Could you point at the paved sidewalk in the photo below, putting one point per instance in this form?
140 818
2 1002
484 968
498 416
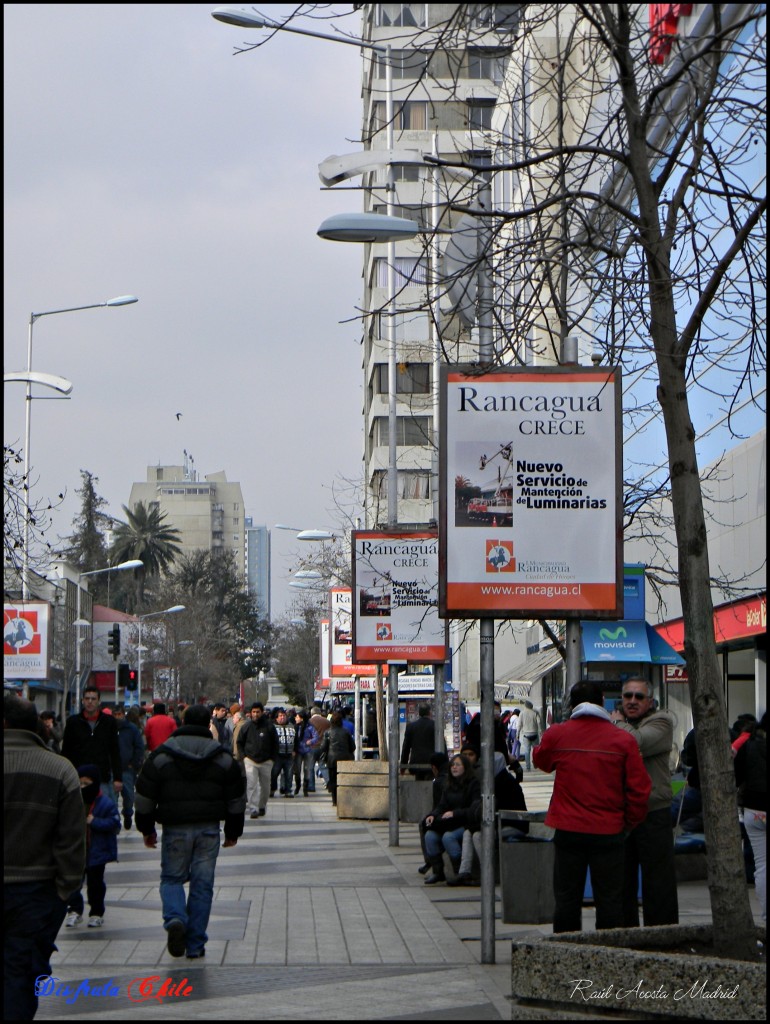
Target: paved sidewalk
313 919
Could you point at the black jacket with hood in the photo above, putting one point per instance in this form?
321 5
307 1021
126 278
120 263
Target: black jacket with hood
191 780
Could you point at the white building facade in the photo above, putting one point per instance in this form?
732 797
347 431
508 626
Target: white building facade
208 512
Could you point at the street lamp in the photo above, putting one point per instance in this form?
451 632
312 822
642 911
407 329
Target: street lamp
246 19
140 619
306 534
48 380
120 300
360 227
133 563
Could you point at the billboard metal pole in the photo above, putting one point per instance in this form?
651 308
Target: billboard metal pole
393 753
569 357
486 625
487 665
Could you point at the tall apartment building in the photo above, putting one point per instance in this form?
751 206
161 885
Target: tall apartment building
258 566
208 513
444 96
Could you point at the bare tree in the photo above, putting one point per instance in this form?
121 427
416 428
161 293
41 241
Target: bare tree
16 513
627 170
637 219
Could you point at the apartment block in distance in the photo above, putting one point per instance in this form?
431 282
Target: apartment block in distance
209 512
258 566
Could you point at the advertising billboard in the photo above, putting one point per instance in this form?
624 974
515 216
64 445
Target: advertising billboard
324 655
26 630
530 499
395 590
341 636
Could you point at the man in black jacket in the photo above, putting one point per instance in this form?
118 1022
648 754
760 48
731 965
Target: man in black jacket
91 737
419 743
189 784
257 744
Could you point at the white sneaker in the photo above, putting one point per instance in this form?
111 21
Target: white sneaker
73 919
95 921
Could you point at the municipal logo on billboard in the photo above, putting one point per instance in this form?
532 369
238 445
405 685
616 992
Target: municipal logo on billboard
26 634
384 632
500 556
20 632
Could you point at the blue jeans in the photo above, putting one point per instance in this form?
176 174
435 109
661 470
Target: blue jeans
452 842
282 769
127 793
189 854
306 762
32 916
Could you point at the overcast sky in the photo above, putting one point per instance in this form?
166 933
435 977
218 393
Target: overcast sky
143 157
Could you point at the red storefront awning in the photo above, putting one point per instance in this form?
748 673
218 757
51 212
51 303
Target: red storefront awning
735 621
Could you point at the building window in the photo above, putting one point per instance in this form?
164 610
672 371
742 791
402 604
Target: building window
411 484
411 115
401 15
236 537
480 114
486 64
412 325
404 63
406 172
496 17
411 379
410 270
410 430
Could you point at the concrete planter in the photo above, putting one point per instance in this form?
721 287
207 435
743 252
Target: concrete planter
362 792
630 973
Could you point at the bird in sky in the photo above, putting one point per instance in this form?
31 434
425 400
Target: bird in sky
179 415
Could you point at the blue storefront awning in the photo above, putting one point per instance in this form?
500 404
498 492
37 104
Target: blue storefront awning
626 640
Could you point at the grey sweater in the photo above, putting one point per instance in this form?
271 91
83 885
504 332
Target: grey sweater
45 817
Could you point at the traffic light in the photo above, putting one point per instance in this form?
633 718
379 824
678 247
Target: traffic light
113 642
128 677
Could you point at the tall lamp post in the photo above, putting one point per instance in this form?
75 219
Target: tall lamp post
366 227
133 563
141 618
120 300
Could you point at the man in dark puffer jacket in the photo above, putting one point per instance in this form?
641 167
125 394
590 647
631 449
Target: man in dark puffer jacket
189 784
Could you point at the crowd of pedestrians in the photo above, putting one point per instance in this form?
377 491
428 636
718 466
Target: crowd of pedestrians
70 791
197 769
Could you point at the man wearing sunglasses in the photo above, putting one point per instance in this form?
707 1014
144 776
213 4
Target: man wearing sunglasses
600 795
651 844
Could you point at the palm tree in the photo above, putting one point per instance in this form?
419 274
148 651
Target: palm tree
146 537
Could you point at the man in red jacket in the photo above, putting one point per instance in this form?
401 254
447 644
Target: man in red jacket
159 727
600 793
